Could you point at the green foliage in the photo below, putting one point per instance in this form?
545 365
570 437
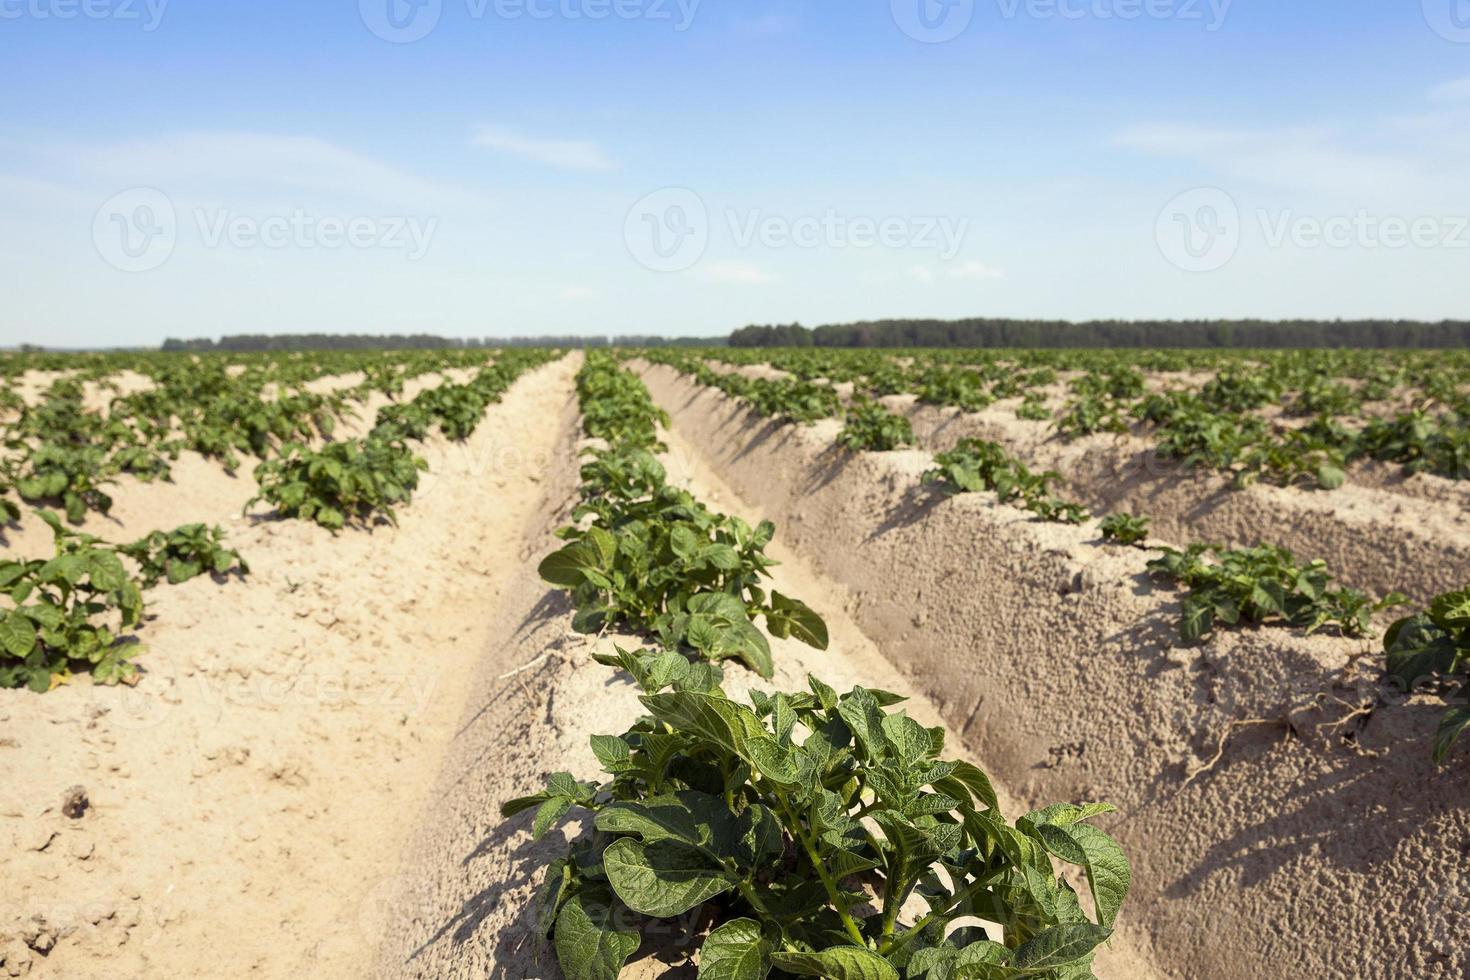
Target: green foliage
872 428
789 816
59 614
953 387
1033 409
72 476
1090 414
1124 529
182 554
1434 647
1423 444
648 558
1260 585
975 465
350 482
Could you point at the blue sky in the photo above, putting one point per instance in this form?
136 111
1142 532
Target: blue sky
497 167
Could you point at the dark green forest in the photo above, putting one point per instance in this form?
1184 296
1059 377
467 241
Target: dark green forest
1113 333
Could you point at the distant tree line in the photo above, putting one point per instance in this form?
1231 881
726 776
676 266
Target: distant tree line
1113 333
241 343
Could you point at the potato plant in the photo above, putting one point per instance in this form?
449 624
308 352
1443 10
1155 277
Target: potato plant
975 465
1260 585
799 826
1434 646
648 558
872 428
1124 529
350 482
60 612
182 554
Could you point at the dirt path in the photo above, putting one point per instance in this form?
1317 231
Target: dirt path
249 799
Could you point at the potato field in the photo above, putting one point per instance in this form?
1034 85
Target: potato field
735 663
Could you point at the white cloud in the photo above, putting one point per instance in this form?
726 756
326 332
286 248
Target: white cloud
572 294
769 24
1319 161
562 154
1454 92
222 163
735 273
974 269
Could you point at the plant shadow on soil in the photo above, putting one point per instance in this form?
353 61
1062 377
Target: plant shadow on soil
914 507
1338 811
1352 818
667 946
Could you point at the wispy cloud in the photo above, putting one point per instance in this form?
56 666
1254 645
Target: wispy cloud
1315 160
734 273
1454 93
573 294
220 163
562 154
972 270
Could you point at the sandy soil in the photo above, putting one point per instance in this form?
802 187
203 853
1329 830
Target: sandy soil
248 800
467 886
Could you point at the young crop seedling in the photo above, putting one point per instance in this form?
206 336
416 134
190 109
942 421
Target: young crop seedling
1033 409
59 610
1434 646
976 465
872 428
1124 529
1259 585
350 482
182 554
802 824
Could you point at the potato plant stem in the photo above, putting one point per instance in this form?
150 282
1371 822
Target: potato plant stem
848 922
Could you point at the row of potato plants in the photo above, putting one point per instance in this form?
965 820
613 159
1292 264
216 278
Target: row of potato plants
60 453
1353 401
360 481
62 613
800 833
1222 587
